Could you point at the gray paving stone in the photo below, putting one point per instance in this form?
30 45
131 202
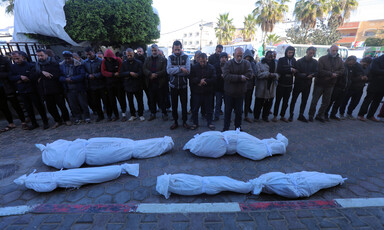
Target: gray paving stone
261 220
114 188
148 226
85 218
140 194
278 224
104 199
95 191
133 221
274 215
11 196
115 226
132 185
81 226
212 217
180 225
48 226
149 218
247 225
76 195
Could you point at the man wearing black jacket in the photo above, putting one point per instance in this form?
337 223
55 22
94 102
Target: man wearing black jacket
47 73
355 91
22 76
343 83
8 93
214 59
203 79
219 86
375 90
96 83
286 70
306 70
132 74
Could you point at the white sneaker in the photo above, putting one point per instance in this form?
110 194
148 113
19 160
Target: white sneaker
132 118
142 118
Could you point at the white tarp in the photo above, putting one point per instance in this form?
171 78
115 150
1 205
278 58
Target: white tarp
216 144
74 178
101 150
292 185
44 17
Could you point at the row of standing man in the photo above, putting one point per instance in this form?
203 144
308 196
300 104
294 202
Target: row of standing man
99 83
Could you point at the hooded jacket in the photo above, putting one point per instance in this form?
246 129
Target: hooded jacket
178 79
5 68
160 69
197 73
233 84
265 86
132 84
48 86
376 84
251 81
76 73
284 68
327 66
108 68
94 67
305 68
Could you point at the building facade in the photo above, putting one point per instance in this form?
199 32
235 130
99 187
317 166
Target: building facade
354 34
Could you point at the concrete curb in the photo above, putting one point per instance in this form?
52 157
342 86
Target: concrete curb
192 207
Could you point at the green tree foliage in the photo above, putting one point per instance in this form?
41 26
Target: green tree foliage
374 42
112 22
224 29
249 27
296 35
340 10
9 6
307 12
268 13
325 34
273 39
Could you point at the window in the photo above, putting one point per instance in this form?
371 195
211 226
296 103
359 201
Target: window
185 35
370 33
190 34
196 42
185 43
197 34
190 42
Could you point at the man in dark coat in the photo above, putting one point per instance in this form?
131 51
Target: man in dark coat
236 73
132 74
155 73
203 79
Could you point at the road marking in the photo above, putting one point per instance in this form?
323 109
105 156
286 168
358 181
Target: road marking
360 202
193 207
15 210
188 208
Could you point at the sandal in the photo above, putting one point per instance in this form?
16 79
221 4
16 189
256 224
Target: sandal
211 127
193 127
7 128
24 126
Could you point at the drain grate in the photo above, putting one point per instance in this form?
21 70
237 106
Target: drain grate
7 170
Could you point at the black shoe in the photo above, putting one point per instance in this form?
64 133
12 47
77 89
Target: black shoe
302 118
46 126
152 117
265 119
319 119
334 117
99 119
165 117
310 119
186 126
290 119
33 126
174 126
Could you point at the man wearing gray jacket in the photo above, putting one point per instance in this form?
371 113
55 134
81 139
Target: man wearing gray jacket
236 73
178 69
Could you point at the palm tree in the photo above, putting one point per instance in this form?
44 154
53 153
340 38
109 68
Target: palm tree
9 6
225 29
268 13
341 9
249 27
273 39
308 11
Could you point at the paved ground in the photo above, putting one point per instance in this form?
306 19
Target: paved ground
351 148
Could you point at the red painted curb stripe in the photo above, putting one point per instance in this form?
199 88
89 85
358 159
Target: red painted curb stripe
80 208
288 205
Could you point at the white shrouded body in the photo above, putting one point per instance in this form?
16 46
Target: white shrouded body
101 150
216 144
74 178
